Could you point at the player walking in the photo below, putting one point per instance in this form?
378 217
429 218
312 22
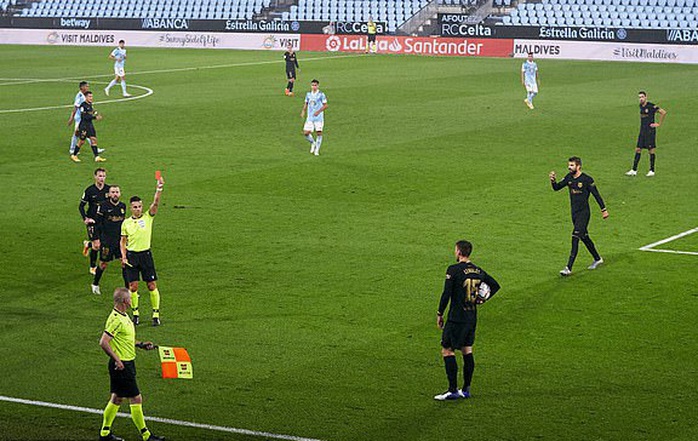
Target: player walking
529 79
93 196
315 104
86 129
75 114
110 216
581 186
119 57
461 288
136 258
648 132
291 66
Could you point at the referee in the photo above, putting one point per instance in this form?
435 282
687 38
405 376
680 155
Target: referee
119 342
371 45
136 258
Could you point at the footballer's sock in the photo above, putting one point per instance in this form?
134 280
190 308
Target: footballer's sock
451 372
468 369
155 302
94 149
134 302
109 415
123 86
533 95
112 83
290 86
636 161
98 275
93 258
76 151
573 251
73 143
309 137
318 143
528 96
653 156
139 420
89 141
591 247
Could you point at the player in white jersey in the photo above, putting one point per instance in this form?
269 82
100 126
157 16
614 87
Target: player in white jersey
315 104
119 57
75 115
529 79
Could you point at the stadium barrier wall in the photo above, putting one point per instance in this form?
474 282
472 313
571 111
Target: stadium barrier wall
205 40
463 47
590 50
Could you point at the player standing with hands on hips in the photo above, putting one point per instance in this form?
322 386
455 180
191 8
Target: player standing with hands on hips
119 57
136 257
647 139
581 186
315 104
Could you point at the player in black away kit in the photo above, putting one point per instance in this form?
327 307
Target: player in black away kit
291 66
648 132
110 216
581 186
86 129
93 196
463 283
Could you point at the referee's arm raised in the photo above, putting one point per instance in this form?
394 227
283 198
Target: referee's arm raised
153 210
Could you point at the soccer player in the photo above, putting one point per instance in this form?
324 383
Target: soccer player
110 216
136 258
86 129
371 45
291 66
119 57
648 132
93 196
119 342
581 186
461 289
75 114
315 104
529 79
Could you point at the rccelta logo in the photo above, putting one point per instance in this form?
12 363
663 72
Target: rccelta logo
52 38
333 43
685 35
164 23
269 42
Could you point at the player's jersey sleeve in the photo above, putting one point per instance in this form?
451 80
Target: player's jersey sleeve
113 324
493 284
307 98
78 100
523 67
115 53
124 231
323 99
448 289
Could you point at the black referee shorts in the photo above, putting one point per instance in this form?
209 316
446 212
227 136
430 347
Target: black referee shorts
123 382
141 267
371 38
458 335
647 139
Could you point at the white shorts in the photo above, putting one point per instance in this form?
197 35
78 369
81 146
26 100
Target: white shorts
313 126
77 124
532 87
119 71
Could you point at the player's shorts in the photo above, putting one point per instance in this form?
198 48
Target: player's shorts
141 267
77 125
119 71
313 126
371 38
291 74
458 335
532 87
123 382
580 220
91 234
647 139
109 250
86 131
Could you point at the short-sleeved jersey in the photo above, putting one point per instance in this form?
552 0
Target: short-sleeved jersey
460 289
87 114
93 196
580 189
119 57
79 99
291 60
138 232
315 102
109 218
529 69
120 327
372 29
647 113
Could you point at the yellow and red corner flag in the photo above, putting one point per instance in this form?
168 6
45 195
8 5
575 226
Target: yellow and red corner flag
175 363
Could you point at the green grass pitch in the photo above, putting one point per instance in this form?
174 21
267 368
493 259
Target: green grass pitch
305 288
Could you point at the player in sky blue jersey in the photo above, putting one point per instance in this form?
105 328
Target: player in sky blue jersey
119 57
315 104
529 79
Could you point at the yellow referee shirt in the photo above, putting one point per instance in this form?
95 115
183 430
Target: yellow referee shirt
138 232
120 327
372 28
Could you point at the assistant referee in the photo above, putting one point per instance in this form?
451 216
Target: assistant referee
119 342
136 258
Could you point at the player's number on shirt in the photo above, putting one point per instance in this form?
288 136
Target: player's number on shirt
471 287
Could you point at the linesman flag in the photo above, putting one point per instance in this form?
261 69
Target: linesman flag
175 363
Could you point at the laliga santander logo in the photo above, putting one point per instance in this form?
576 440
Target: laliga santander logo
333 43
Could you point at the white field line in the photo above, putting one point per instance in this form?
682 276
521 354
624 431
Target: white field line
651 247
161 420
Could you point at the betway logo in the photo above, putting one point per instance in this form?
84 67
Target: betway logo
408 45
685 35
75 23
164 23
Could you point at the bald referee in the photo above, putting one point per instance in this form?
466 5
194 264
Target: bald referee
119 342
136 258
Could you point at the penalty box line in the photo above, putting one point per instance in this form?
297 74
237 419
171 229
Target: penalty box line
651 247
160 420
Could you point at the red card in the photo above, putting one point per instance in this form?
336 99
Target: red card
158 175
